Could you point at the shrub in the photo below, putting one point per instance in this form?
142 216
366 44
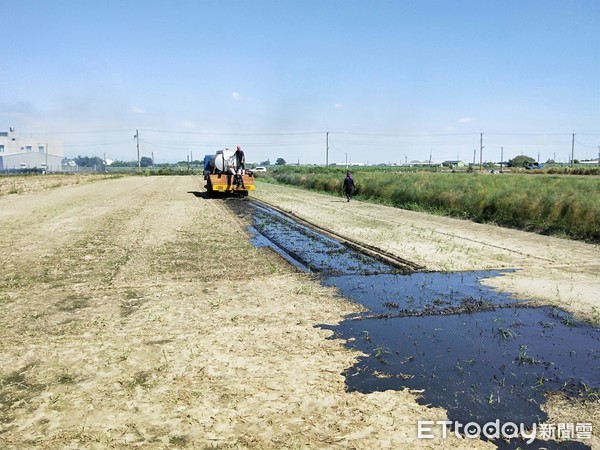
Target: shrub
548 203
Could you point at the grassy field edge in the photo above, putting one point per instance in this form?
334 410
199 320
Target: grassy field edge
564 206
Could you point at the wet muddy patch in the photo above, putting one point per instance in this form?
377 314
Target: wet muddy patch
480 354
304 247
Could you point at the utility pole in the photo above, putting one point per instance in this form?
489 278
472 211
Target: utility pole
104 160
46 157
326 148
599 156
137 140
501 159
346 160
573 150
474 155
480 152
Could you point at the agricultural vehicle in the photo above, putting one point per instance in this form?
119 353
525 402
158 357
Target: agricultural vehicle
223 174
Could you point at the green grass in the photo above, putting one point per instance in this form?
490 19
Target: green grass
548 204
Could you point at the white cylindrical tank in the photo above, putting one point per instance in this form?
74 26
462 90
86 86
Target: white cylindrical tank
224 161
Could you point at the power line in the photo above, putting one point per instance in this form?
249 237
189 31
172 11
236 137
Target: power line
79 132
172 143
95 144
585 145
527 134
299 133
356 133
214 133
313 141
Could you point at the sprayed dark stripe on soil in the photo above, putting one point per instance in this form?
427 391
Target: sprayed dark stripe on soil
478 353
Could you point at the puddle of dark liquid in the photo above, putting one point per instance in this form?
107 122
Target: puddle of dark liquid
479 366
419 293
469 349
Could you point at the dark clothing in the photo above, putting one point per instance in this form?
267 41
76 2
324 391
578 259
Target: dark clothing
348 187
240 159
240 166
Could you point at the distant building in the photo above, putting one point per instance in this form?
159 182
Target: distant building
591 161
426 163
19 152
348 164
455 163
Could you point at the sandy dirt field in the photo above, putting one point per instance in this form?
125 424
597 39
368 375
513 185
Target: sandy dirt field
31 183
134 312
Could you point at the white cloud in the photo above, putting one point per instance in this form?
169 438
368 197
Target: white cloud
337 105
138 110
465 120
237 97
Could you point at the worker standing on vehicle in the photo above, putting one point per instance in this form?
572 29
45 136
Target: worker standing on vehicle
240 159
240 166
349 186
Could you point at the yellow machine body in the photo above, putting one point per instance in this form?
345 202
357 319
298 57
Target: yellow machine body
226 183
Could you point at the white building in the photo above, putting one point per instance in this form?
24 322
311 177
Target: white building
591 162
19 152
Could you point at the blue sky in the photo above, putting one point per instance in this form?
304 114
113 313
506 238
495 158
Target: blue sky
390 80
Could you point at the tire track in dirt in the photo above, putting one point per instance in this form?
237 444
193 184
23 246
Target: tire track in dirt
364 247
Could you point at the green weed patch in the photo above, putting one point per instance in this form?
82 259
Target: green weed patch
548 204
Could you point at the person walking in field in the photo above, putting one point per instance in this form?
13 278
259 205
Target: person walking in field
349 186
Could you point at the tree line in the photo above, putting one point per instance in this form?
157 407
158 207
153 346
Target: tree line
145 161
